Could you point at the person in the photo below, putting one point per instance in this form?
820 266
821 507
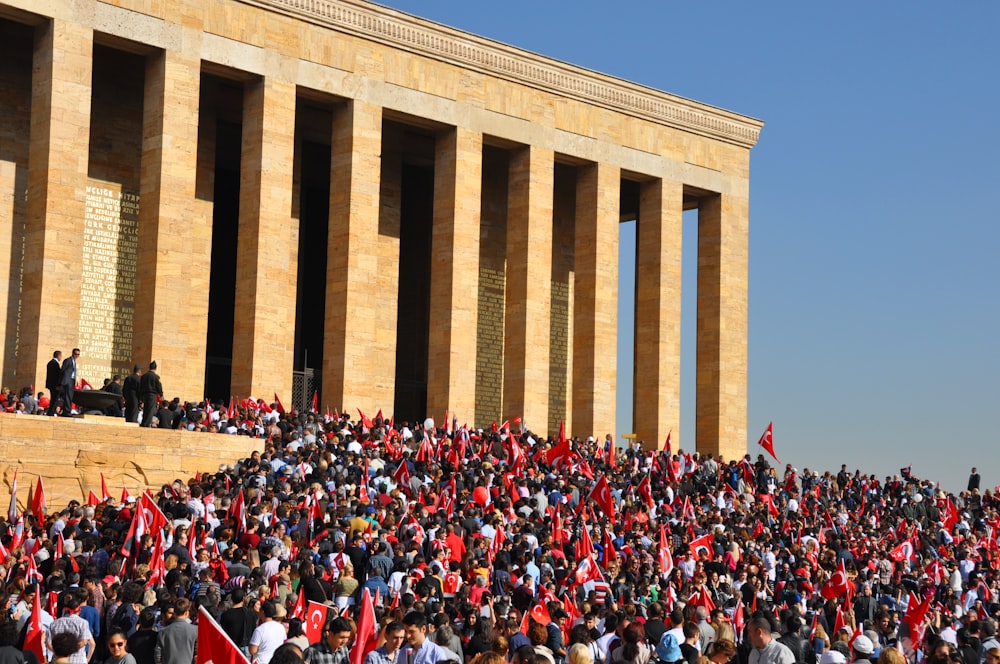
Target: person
64 646
130 391
766 649
53 381
394 634
419 649
268 636
239 621
333 647
863 649
973 480
151 391
579 653
67 383
115 387
72 623
9 654
176 643
142 643
721 652
116 646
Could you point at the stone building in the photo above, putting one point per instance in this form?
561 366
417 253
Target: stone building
421 219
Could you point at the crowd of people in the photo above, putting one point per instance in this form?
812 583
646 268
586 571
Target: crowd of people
379 542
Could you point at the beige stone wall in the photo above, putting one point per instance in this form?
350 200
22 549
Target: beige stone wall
71 454
376 65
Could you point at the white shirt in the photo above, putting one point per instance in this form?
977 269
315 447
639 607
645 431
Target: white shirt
267 637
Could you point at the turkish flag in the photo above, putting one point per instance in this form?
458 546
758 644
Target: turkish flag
38 501
601 494
35 638
93 500
666 443
559 453
586 545
705 544
299 610
155 518
214 645
643 490
314 621
767 440
367 633
837 584
540 613
588 571
663 554
702 598
903 551
280 409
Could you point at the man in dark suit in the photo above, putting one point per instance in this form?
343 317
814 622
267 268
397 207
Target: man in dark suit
53 378
114 387
152 391
130 390
68 382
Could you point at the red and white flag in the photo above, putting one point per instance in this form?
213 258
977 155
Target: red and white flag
314 621
837 584
34 640
105 494
214 645
704 544
365 640
601 495
663 553
767 441
38 506
156 520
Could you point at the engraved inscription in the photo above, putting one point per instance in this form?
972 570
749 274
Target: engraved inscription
489 344
107 294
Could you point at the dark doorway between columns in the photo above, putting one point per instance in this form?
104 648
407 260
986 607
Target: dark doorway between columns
313 124
219 152
413 323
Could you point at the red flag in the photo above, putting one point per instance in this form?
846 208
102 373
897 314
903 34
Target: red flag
837 584
34 639
838 622
280 409
739 621
704 544
601 495
38 500
137 528
609 549
586 545
666 443
367 633
314 621
525 622
402 475
155 518
643 490
105 494
157 565
950 513
366 421
214 645
315 402
299 611
663 553
93 500
767 440
702 598
540 613
560 453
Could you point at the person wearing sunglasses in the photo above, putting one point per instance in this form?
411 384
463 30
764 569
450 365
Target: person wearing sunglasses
116 640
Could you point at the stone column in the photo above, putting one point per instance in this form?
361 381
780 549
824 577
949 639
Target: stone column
529 286
657 363
595 303
352 312
266 262
721 399
175 229
58 158
451 352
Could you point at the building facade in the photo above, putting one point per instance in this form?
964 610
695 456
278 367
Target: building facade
420 219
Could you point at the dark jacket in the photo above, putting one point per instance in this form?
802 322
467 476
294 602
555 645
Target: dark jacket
53 374
799 647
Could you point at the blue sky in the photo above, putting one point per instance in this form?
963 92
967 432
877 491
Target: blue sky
874 282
